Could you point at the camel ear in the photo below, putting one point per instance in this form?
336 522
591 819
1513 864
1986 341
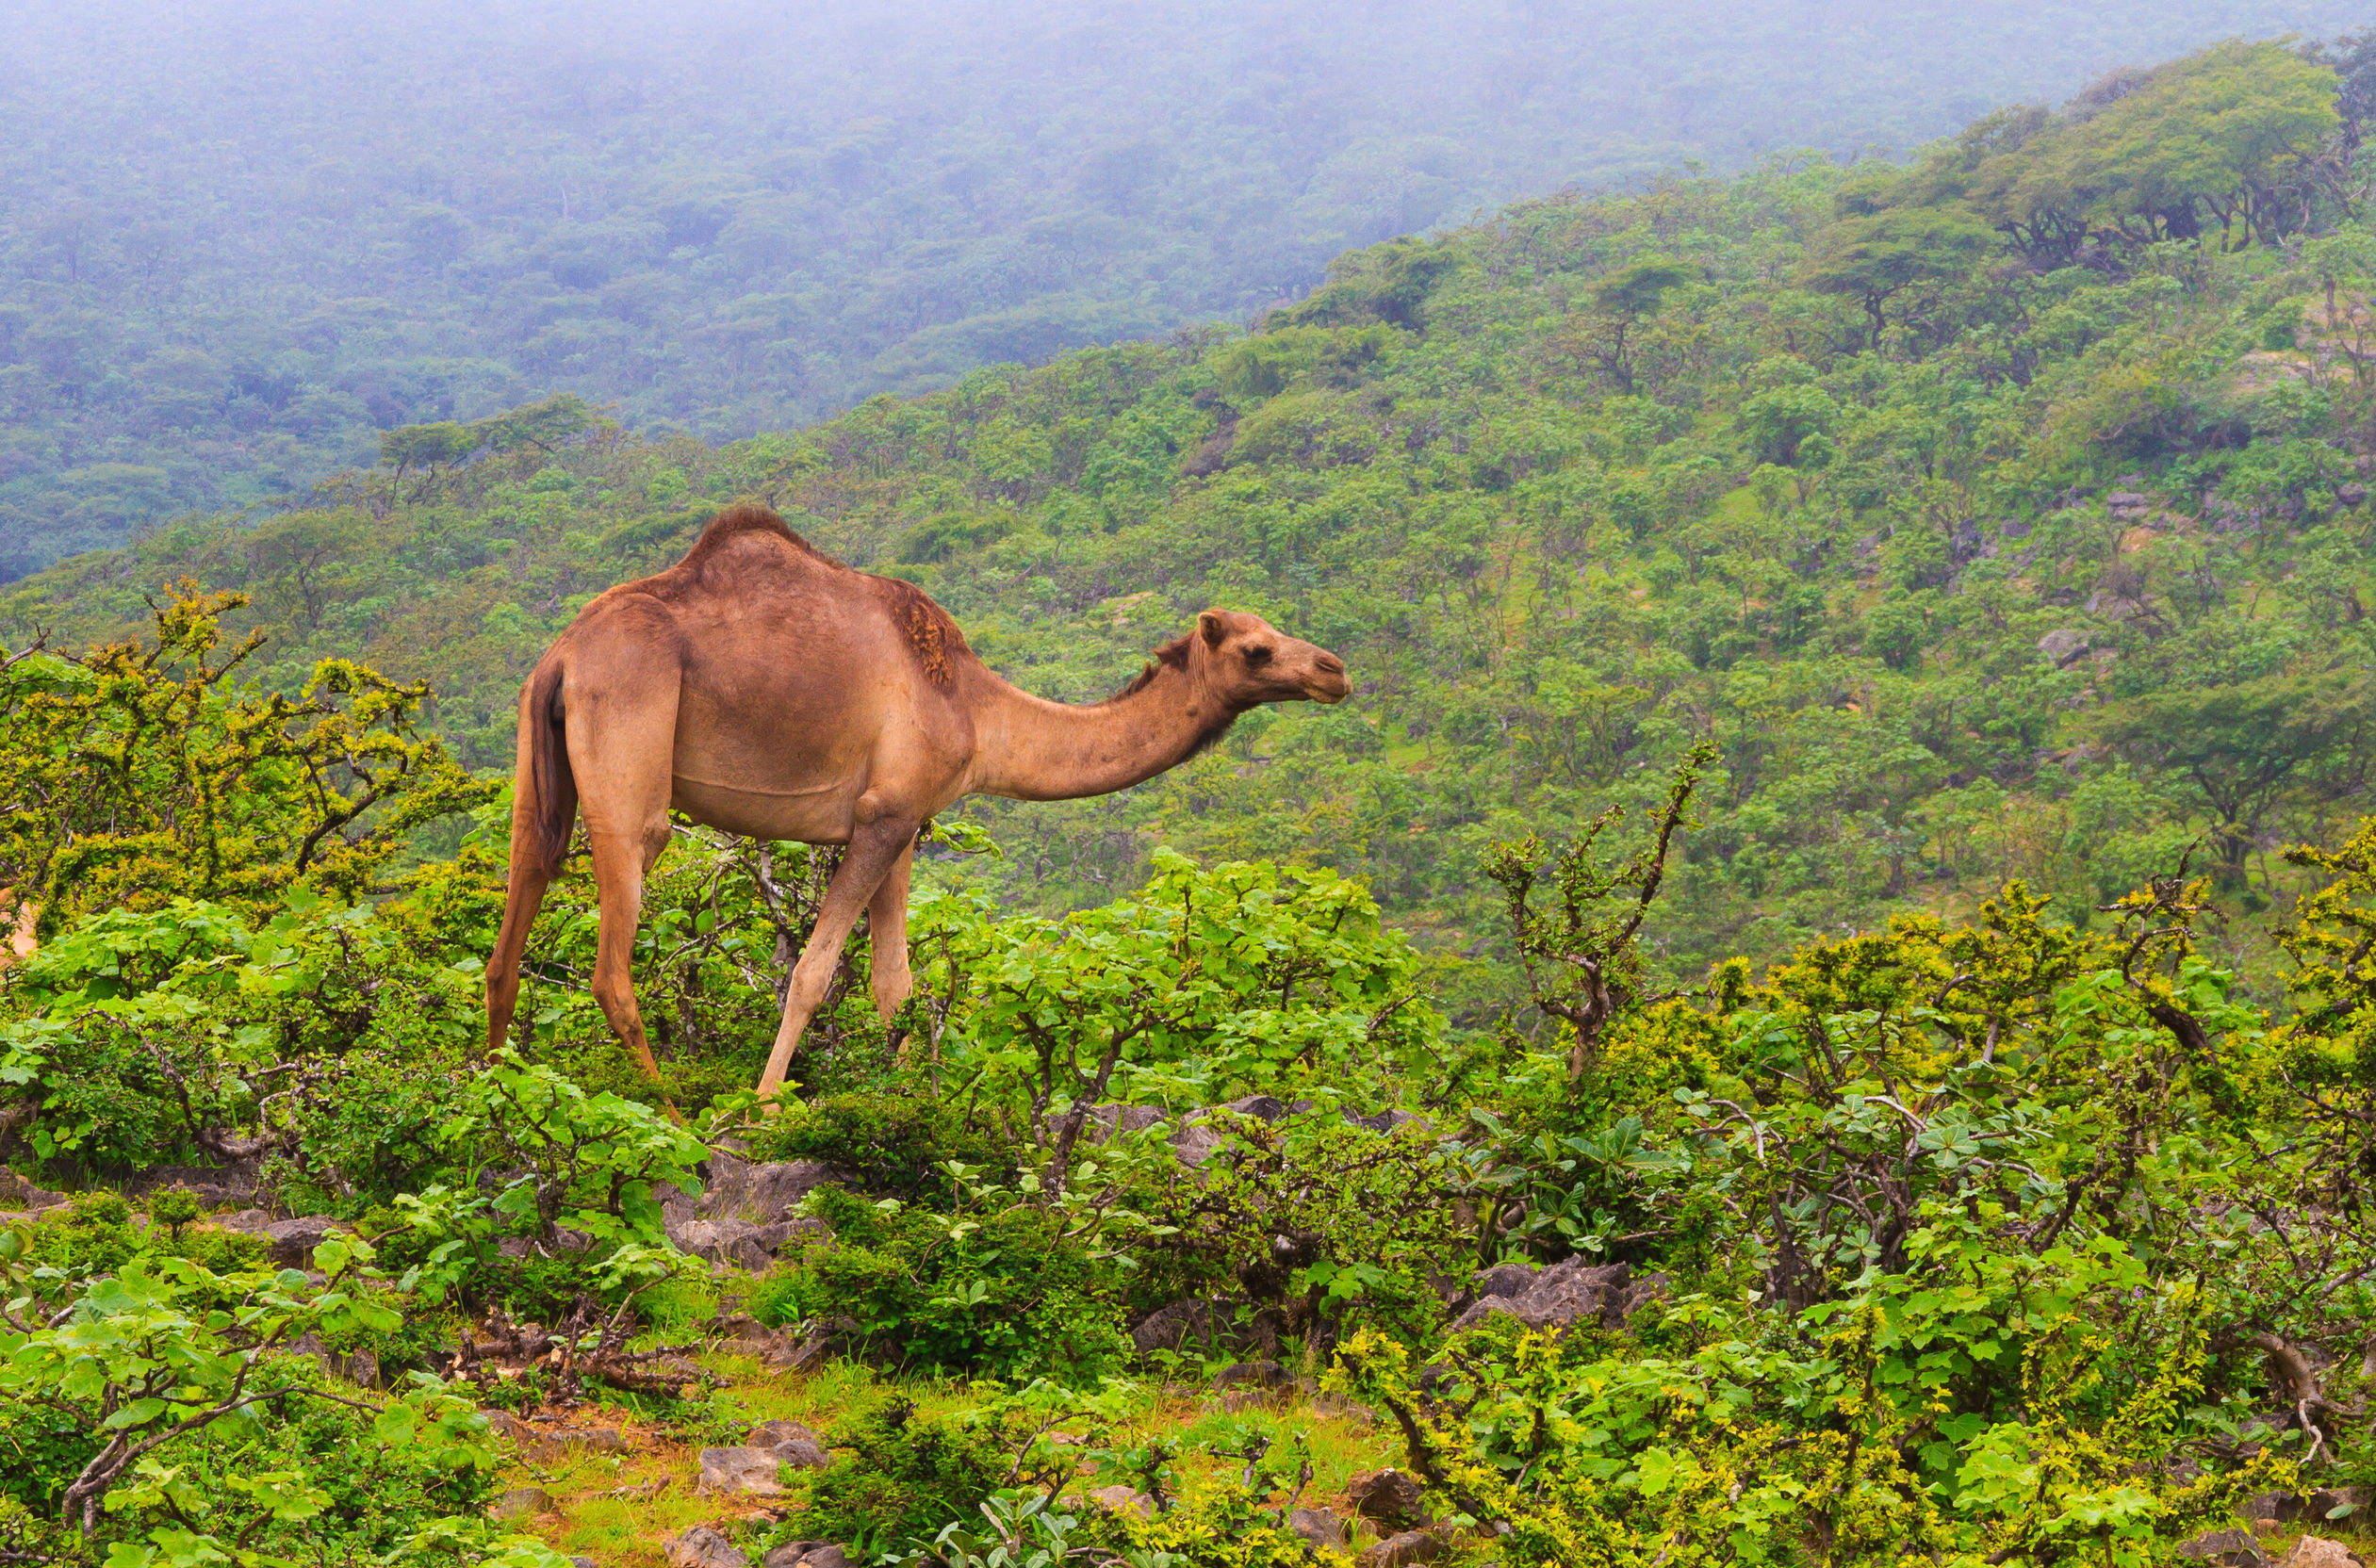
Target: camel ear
1209 623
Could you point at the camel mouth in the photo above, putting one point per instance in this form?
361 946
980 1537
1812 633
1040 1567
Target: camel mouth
1330 692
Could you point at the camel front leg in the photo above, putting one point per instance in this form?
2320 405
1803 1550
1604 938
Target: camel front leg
875 849
887 933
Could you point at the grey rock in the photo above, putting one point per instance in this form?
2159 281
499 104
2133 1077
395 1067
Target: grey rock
2316 1551
525 1440
1318 1525
521 1502
1195 1145
594 1440
2127 505
217 1185
747 1336
582 1562
1508 1279
746 1471
738 1243
816 1554
2351 493
1262 1108
1123 1499
1396 1551
1178 1326
763 1193
774 1434
1564 1295
2227 1548
293 1240
1108 1123
2062 646
17 1193
703 1547
1388 1497
1255 1374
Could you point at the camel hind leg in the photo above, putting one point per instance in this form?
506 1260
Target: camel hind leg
622 734
520 901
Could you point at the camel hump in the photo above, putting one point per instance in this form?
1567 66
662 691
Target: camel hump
740 520
932 636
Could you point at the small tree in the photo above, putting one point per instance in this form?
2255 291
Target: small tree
1583 958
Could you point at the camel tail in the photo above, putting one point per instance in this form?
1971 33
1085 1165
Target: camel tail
545 805
544 808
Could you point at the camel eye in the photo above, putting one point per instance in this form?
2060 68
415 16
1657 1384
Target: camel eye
1258 655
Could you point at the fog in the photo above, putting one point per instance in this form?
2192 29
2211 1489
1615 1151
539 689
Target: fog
243 238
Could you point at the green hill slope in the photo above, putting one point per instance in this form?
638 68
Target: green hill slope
1993 518
242 243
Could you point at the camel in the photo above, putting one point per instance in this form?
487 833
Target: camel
759 687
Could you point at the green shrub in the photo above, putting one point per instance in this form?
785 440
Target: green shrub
897 1477
1006 1293
897 1142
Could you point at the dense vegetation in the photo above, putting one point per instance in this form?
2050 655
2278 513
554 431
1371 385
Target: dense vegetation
1815 1007
240 246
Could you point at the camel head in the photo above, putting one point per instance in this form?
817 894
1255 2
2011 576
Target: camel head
1248 661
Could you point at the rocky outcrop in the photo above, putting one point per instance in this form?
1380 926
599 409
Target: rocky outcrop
703 1547
743 1218
740 1471
1319 1526
810 1554
1398 1551
291 1242
1561 1296
1388 1498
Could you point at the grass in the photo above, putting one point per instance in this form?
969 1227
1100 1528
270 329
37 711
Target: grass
620 1510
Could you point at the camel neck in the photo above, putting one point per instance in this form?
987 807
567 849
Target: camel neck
1029 748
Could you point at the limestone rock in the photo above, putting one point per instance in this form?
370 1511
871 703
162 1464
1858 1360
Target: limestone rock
2316 1551
2127 505
1388 1497
774 1434
2226 1549
764 1193
1195 1145
814 1554
293 1241
740 1470
1319 1525
1108 1123
16 1193
703 1547
1257 1374
1561 1296
2062 646
521 1502
594 1440
1123 1499
1396 1551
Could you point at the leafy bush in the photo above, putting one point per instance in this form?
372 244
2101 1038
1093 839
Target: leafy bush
1002 1291
897 1477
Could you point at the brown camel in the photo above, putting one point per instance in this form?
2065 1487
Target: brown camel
761 688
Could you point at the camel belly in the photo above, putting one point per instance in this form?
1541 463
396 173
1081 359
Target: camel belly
819 814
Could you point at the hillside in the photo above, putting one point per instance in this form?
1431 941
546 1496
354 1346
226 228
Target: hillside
1974 563
244 242
1933 1123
